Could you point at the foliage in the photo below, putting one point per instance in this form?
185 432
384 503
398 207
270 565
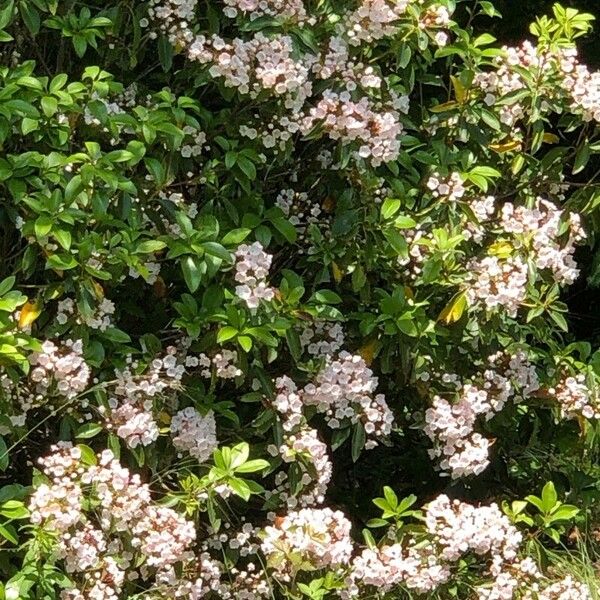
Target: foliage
284 301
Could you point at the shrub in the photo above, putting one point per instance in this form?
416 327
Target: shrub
282 310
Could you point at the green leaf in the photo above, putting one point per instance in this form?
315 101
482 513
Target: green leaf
247 167
226 333
581 158
193 270
407 325
116 335
150 246
7 284
559 320
252 466
63 237
61 262
240 488
165 53
80 45
88 430
327 297
6 13
28 125
287 230
390 496
215 249
43 225
369 540
88 456
30 17
564 512
373 523
359 437
235 236
390 207
49 105
404 222
14 509
549 497
4 457
245 342
293 342
9 533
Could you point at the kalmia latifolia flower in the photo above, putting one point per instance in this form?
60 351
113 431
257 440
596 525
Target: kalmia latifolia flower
451 425
575 398
322 339
373 20
343 392
194 433
58 375
559 72
134 422
540 228
100 319
459 528
61 369
386 568
375 131
251 271
223 363
131 407
145 537
308 453
319 536
288 10
446 188
498 283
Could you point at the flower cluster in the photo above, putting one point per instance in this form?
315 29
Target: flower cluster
224 364
287 10
252 66
575 398
100 319
452 425
303 449
59 373
251 270
458 528
564 589
148 270
343 392
322 339
301 212
134 422
449 188
539 227
319 536
387 567
497 283
131 537
62 370
194 433
130 410
373 20
557 72
376 129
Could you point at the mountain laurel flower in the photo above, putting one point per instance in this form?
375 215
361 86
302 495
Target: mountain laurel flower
319 536
251 271
194 433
